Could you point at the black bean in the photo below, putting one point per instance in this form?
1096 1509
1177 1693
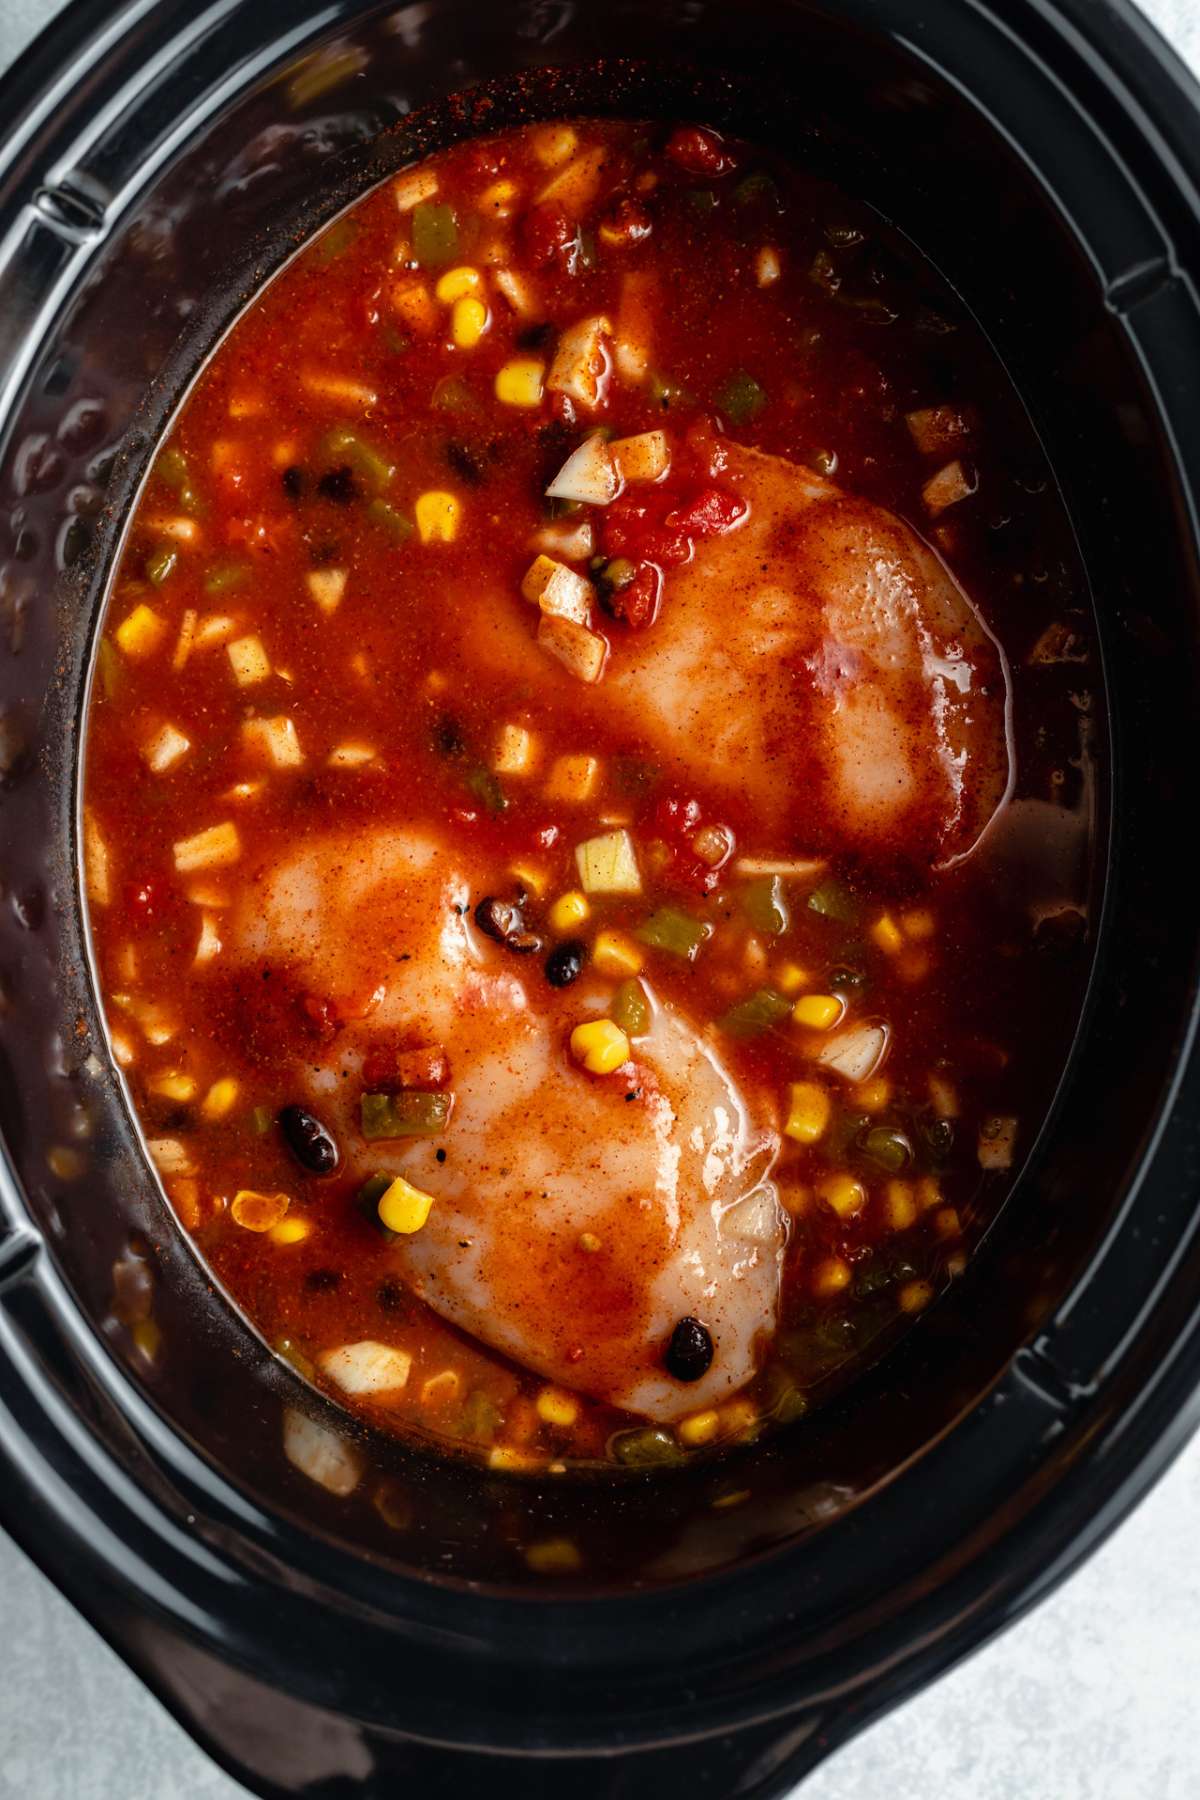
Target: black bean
308 1141
293 482
466 462
322 1281
565 963
504 921
339 485
534 337
690 1351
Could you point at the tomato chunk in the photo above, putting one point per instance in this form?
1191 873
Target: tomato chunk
699 151
711 513
547 235
637 603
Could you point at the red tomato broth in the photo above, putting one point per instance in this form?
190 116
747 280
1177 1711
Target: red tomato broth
820 366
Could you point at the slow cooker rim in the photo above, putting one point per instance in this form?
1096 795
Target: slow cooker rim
1169 1410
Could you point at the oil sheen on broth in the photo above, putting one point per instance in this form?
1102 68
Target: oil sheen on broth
586 805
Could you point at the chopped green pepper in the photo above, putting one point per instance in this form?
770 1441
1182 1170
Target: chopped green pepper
756 1014
486 788
370 1194
631 1009
393 522
343 444
887 1147
434 234
334 243
159 566
766 908
172 468
676 932
647 1447
833 900
223 576
741 398
404 1115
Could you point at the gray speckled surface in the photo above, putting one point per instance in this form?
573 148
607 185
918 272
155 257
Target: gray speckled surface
1091 1698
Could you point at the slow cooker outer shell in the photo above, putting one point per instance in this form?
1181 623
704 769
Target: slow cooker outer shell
998 1443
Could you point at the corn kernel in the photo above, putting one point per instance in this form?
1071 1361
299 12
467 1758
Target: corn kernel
915 1296
531 878
554 1407
946 1222
872 1096
468 321
404 1208
258 1212
456 284
556 1556
817 1011
498 198
830 1276
615 954
174 1085
600 1046
437 516
698 1428
520 382
219 1099
887 934
790 978
573 778
515 751
808 1112
929 1192
919 923
569 911
290 1231
140 634
899 1205
846 1195
554 144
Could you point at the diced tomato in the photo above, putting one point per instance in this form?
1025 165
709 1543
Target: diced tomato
635 527
638 602
699 152
320 1016
710 513
386 1068
547 235
676 818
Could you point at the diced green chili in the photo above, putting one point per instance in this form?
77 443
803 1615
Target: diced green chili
334 243
617 574
451 394
370 1194
404 1115
647 1447
664 392
757 186
635 777
262 1119
343 444
741 398
224 576
480 1418
631 1009
887 1147
675 931
555 507
172 468
159 566
393 522
486 788
434 234
756 1014
833 900
765 906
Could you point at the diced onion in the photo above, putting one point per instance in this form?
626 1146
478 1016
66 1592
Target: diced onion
856 1052
320 1453
608 865
368 1367
588 475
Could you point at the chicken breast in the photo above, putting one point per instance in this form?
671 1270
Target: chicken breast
821 659
576 1220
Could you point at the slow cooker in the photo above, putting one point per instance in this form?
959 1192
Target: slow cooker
734 1622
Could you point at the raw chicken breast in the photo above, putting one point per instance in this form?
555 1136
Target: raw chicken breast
821 659
576 1219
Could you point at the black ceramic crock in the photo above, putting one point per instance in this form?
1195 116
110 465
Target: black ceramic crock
729 1625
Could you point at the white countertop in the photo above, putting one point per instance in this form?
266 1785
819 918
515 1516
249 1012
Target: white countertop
1093 1697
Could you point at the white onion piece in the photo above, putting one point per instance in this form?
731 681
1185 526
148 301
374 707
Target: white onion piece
320 1453
367 1367
588 475
855 1053
754 1220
